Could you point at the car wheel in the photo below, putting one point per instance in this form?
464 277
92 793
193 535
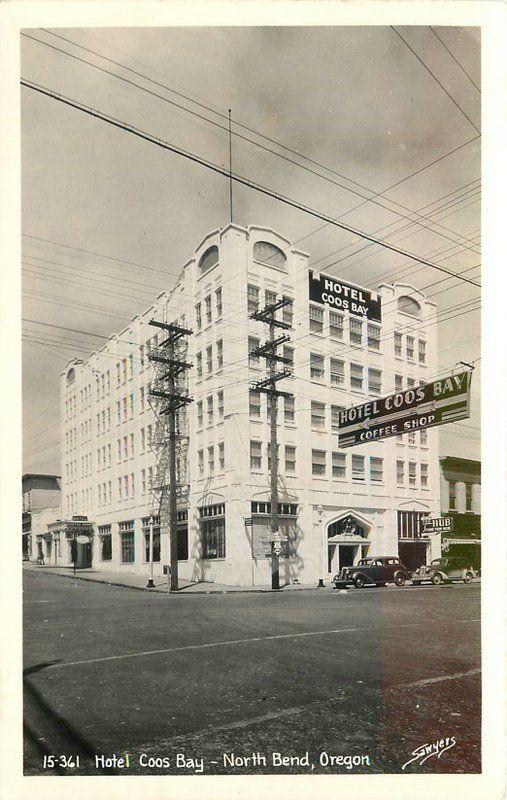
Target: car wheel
399 579
468 578
437 579
359 581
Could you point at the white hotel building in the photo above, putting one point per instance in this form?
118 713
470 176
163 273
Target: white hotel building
336 505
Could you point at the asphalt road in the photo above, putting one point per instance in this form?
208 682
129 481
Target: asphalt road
334 683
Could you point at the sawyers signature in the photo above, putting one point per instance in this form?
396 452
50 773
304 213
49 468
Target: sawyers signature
425 751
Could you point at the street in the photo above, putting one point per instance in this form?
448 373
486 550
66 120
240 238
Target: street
216 684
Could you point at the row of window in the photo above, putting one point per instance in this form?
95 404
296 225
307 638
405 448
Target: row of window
219 452
214 409
469 489
413 472
332 323
207 308
208 354
270 298
410 345
127 541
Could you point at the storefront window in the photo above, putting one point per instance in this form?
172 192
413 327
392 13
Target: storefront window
156 538
127 542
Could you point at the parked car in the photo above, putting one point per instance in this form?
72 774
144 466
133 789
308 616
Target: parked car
444 570
377 571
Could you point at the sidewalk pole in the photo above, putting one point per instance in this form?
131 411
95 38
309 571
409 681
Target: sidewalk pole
150 584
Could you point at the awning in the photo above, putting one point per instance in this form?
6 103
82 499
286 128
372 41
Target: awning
461 541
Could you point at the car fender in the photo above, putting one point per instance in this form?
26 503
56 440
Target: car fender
356 573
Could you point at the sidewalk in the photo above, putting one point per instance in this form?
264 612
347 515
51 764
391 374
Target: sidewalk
133 580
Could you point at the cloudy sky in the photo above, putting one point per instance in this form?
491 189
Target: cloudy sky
365 124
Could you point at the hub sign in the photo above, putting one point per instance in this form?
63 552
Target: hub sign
436 403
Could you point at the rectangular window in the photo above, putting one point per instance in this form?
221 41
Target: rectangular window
339 461
198 363
398 383
376 470
209 403
422 351
212 534
337 372
452 495
288 310
356 377
469 487
410 383
253 343
424 474
289 410
335 418
131 446
423 438
374 381
318 416
221 456
207 305
373 336
270 297
209 360
397 344
198 317
220 405
290 459
127 542
220 354
106 552
143 481
410 348
255 455
288 353
200 458
356 331
151 483
141 356
335 325
316 319
412 467
318 462
252 298
218 300
411 437
124 370
255 405
358 468
316 367
156 538
211 460
199 414
131 366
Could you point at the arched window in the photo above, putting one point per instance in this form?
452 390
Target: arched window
409 306
71 374
209 258
269 254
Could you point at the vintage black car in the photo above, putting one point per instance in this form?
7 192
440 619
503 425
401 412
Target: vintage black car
444 570
377 571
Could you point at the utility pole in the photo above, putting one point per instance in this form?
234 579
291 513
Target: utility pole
174 398
268 350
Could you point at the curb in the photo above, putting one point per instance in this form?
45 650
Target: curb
179 592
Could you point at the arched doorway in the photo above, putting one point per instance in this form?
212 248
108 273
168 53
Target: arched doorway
347 541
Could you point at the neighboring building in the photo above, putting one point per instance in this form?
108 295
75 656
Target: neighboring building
336 505
461 500
39 492
45 547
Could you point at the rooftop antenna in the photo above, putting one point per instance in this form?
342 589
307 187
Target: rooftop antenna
230 166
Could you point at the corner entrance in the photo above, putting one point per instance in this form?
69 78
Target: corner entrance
347 541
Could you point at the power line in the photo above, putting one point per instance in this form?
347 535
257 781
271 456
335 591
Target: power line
462 68
449 95
235 133
221 171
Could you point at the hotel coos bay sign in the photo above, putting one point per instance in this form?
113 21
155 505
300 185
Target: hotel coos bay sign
344 297
427 406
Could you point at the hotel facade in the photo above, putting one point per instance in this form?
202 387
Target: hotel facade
336 505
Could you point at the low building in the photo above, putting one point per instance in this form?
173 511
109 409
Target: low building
461 501
335 505
39 492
